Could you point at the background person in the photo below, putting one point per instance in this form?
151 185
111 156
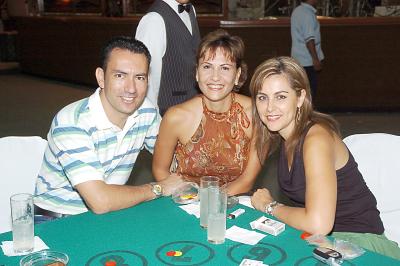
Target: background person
306 40
93 143
212 134
171 33
315 169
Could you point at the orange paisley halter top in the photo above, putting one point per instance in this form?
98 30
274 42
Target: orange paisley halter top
219 147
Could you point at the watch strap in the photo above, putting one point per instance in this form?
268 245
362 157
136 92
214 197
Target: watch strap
269 209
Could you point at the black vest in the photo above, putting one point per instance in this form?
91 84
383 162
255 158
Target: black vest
178 82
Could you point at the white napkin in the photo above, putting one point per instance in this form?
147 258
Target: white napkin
192 208
249 262
246 201
8 249
244 236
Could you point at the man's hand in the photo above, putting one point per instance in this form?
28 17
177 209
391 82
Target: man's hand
313 52
171 183
261 198
317 65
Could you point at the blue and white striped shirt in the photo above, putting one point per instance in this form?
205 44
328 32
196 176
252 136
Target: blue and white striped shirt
84 145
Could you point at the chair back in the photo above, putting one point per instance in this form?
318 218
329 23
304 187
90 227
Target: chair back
20 162
378 159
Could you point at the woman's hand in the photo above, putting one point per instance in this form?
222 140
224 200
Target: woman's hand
171 183
261 198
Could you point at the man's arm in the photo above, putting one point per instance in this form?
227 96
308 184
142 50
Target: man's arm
310 44
81 165
151 31
102 198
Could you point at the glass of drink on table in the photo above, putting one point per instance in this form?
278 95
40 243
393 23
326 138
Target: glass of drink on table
217 215
207 183
22 222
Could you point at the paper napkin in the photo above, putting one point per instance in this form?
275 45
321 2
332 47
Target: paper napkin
8 249
244 236
249 262
192 208
246 201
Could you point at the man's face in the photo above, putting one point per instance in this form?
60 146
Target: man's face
124 84
313 2
183 2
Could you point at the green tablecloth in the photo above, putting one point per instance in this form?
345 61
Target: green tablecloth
142 235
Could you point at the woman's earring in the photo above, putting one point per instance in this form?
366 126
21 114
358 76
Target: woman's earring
298 114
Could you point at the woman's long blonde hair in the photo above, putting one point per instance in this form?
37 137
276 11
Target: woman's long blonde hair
268 141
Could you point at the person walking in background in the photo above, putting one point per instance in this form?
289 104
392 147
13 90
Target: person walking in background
212 133
306 40
171 33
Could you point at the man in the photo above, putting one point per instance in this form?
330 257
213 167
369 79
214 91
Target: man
171 33
93 143
306 40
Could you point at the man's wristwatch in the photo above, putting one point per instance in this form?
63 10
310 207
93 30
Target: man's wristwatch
156 189
269 209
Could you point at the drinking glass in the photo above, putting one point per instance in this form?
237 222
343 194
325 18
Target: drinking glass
22 222
206 183
217 215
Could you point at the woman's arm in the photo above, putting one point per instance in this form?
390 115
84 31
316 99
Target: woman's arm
318 215
246 180
244 183
165 145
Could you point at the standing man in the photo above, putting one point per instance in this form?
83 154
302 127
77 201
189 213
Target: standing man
306 40
171 33
93 143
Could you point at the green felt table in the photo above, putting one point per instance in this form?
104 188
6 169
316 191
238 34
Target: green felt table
142 235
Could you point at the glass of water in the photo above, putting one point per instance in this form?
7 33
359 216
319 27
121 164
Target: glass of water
206 183
22 217
217 199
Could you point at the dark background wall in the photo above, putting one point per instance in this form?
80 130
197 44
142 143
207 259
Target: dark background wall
361 70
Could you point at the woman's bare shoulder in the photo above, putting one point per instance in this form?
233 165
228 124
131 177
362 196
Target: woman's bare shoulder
182 113
319 135
244 100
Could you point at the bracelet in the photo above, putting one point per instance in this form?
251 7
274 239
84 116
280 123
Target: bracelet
269 209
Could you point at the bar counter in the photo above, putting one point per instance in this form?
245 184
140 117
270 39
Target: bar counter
360 71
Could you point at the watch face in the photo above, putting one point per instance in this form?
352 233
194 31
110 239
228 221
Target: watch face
157 189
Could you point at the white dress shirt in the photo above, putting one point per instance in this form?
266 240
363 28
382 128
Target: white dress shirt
151 31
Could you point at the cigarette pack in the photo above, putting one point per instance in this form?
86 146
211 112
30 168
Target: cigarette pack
268 225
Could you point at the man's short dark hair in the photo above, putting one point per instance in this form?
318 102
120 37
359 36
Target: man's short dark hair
123 43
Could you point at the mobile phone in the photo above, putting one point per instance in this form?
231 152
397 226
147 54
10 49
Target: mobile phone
327 255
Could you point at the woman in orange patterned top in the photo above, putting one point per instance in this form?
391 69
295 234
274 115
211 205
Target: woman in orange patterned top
211 134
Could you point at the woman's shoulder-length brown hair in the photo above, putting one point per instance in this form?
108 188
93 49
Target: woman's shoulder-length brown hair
232 46
268 141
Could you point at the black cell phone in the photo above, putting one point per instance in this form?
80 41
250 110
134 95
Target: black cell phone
327 255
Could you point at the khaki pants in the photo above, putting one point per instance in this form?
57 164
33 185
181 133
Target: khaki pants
377 243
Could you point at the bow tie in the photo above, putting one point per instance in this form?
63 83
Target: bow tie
182 8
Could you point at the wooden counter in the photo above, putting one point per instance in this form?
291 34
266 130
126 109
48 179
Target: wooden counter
361 69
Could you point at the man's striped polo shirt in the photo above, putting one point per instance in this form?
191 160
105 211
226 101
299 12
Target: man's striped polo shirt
84 145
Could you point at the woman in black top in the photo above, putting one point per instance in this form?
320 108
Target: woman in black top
316 170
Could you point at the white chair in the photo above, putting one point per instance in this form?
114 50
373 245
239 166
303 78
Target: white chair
20 161
378 158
